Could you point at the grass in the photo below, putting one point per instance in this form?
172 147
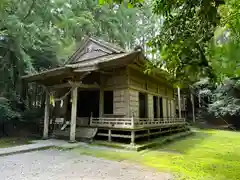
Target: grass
13 141
206 155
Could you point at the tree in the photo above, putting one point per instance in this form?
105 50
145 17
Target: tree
183 39
224 50
36 35
226 99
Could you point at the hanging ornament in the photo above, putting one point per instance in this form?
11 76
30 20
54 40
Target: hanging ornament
52 101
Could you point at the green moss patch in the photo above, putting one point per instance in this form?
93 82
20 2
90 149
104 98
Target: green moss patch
213 155
13 141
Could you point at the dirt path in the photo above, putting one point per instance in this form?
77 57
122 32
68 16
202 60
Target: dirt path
64 165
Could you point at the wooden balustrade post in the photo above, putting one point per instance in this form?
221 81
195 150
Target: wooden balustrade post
90 123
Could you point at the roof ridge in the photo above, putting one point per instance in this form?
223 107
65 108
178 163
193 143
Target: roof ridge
109 45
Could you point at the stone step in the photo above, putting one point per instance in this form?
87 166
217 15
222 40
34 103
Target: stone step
81 132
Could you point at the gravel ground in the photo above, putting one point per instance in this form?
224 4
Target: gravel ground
63 165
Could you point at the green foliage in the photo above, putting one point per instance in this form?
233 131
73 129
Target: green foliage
204 87
183 38
187 38
36 35
224 51
32 114
129 3
226 99
6 111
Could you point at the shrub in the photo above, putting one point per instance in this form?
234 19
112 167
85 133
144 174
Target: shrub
6 111
32 114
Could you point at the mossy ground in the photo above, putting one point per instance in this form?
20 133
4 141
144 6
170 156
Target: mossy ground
13 141
212 154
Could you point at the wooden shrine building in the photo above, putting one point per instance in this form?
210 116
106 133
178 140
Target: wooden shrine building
105 88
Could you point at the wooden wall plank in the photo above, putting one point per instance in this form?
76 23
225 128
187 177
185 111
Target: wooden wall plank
134 103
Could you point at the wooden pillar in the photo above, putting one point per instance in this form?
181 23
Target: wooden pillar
128 108
173 108
169 109
132 137
46 116
193 107
164 104
158 107
101 96
179 104
132 122
109 135
150 110
74 94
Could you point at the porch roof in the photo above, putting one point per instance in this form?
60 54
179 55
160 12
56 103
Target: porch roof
88 65
46 74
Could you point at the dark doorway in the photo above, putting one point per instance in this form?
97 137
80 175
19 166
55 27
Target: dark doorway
143 105
161 107
155 106
88 102
108 102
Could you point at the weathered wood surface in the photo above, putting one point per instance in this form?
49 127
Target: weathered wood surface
134 103
46 116
119 101
146 83
127 123
111 122
150 106
117 78
164 103
73 114
173 106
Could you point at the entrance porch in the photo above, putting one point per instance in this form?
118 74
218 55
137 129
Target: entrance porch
88 115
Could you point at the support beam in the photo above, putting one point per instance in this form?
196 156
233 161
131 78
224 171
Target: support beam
46 116
110 135
149 134
78 84
73 114
179 103
133 138
101 96
169 108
